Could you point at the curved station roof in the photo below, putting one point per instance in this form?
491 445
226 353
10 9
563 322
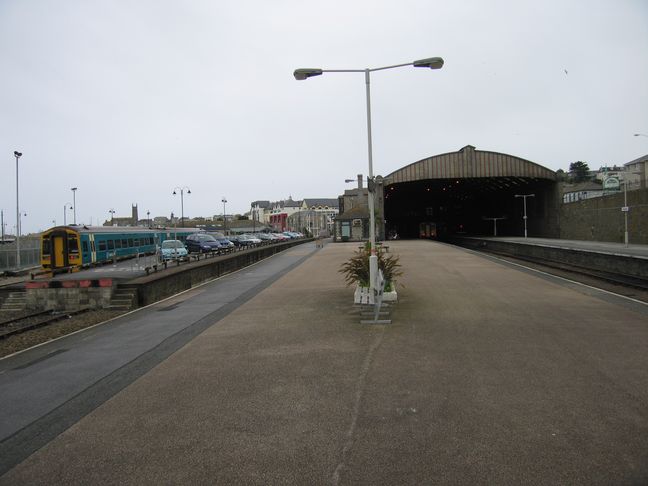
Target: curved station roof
469 163
462 191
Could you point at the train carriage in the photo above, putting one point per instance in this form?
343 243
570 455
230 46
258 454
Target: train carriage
428 230
76 246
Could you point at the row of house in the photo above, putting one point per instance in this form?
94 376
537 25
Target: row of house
609 180
313 215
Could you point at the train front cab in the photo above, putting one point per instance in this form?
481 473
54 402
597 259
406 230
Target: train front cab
428 230
60 249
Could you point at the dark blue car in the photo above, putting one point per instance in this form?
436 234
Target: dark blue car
202 243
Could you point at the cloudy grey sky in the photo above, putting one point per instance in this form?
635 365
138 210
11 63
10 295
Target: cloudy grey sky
127 99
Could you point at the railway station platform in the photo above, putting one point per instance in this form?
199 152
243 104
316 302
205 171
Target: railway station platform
614 259
488 374
589 246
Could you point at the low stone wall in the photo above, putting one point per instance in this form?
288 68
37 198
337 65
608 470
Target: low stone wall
97 294
159 285
633 266
68 294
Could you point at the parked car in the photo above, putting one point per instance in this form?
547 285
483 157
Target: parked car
266 237
234 240
241 241
280 236
202 243
253 239
173 250
224 241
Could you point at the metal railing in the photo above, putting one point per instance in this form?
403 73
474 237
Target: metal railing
29 255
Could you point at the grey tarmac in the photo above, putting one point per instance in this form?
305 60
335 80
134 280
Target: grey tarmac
488 375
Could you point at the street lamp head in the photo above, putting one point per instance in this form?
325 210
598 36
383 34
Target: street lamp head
73 188
174 193
188 191
17 154
303 73
430 62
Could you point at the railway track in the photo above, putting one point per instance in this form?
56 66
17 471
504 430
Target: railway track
21 324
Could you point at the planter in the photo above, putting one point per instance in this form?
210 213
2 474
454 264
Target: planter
363 295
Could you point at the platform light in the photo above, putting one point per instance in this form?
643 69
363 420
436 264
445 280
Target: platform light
224 201
305 73
182 191
74 190
17 155
525 210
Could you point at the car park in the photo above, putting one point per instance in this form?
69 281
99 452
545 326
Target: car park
173 250
202 243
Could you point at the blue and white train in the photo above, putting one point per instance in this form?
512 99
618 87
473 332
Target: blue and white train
76 246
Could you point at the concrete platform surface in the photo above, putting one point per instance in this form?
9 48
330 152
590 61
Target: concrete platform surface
593 246
489 374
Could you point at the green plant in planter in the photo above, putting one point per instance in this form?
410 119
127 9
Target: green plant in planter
356 269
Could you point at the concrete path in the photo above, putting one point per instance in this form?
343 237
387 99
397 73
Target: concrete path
488 375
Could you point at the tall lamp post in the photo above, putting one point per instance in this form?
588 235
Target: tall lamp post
626 208
112 216
74 190
182 191
66 206
17 155
224 201
525 213
305 73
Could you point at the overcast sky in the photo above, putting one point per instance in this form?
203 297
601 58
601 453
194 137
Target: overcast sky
128 99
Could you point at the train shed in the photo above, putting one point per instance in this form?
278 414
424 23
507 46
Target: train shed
470 192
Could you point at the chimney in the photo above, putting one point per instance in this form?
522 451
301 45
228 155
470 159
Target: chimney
360 181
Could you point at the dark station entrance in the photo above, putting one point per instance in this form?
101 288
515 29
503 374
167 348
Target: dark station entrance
463 206
469 193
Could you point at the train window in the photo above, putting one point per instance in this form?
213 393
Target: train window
46 245
118 244
130 242
124 243
84 245
136 242
73 244
111 244
150 240
102 245
92 245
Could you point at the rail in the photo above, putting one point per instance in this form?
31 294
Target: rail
18 325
